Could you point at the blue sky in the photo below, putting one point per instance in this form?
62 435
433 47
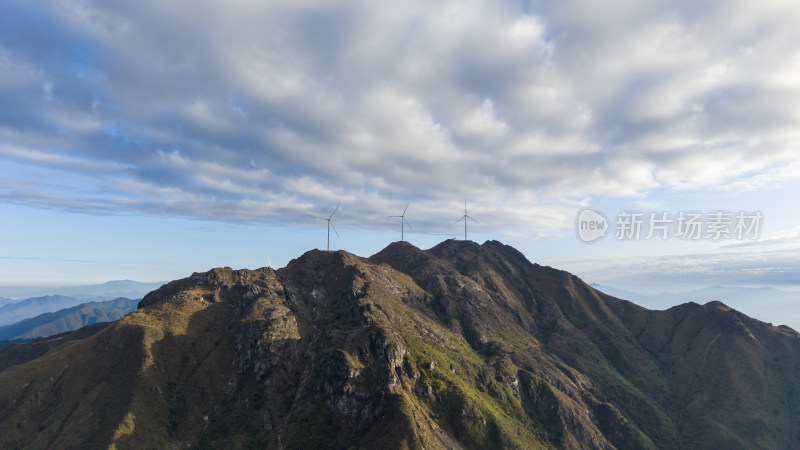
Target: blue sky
148 140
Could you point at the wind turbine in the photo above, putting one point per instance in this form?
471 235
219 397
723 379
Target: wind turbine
403 219
330 224
464 218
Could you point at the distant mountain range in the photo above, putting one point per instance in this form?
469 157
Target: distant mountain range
68 319
105 291
767 304
458 346
15 312
44 300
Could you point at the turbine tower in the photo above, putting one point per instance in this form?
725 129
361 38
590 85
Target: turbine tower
330 224
464 218
403 219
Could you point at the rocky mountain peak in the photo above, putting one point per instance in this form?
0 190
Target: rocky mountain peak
464 345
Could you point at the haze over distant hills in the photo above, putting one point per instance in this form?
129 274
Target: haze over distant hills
459 346
51 299
17 311
68 319
767 304
105 291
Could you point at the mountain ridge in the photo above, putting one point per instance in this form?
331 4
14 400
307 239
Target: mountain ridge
68 319
458 346
31 307
108 290
761 303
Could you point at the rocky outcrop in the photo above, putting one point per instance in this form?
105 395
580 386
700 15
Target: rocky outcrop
459 346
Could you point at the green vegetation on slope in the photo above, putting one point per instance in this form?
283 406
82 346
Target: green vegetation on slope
459 346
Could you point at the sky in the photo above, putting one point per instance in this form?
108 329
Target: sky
148 140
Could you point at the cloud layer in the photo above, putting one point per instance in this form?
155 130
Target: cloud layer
252 111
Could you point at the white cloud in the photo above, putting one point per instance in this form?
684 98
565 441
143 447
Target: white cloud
244 103
753 267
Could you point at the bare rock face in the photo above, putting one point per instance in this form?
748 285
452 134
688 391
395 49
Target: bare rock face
459 346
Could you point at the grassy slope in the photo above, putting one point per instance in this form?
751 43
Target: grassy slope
462 345
694 375
739 397
13 354
75 395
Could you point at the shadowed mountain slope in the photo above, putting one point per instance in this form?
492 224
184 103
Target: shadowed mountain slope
459 346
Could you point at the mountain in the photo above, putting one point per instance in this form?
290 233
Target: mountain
99 292
68 319
5 301
627 295
769 304
17 311
66 297
459 346
13 353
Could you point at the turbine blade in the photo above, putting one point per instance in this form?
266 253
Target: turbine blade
409 224
459 220
406 209
334 228
473 219
334 211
